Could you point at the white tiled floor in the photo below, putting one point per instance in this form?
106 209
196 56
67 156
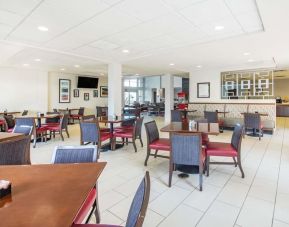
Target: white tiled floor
259 200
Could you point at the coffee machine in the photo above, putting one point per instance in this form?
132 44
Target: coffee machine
278 99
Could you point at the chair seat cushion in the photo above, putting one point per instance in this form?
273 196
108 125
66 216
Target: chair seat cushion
205 138
220 149
122 128
123 134
104 136
161 144
10 130
2 122
104 129
75 116
41 129
86 206
53 127
221 122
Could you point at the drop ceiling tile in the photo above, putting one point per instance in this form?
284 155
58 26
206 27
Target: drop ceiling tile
241 6
19 7
9 18
206 11
250 22
143 10
112 2
4 30
180 4
104 45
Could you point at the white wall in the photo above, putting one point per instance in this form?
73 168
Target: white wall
23 89
53 100
214 77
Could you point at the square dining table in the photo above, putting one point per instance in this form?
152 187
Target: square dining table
46 195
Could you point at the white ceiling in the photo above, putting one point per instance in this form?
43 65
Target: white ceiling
92 33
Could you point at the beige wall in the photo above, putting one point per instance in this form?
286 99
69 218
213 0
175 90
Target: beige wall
281 87
23 89
53 100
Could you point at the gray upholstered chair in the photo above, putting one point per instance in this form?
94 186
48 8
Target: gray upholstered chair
27 121
24 129
80 154
212 117
176 116
154 142
186 149
15 151
138 208
231 150
253 121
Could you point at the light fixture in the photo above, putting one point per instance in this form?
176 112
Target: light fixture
172 64
62 69
199 66
137 74
125 51
246 53
42 28
76 66
250 60
25 64
219 27
37 59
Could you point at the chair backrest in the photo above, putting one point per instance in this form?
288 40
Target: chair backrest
74 154
237 136
252 120
24 129
128 122
52 119
55 110
89 132
152 131
28 121
81 111
139 204
211 116
137 127
15 151
25 112
186 148
64 121
10 121
176 116
88 118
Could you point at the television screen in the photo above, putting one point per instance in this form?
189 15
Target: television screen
87 82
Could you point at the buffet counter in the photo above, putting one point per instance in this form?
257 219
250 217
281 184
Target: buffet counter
282 110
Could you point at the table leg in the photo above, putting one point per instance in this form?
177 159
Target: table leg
111 136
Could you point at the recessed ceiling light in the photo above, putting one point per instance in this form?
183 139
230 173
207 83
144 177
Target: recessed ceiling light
199 66
246 53
125 51
137 74
171 64
219 27
76 66
251 60
37 59
62 69
25 64
42 28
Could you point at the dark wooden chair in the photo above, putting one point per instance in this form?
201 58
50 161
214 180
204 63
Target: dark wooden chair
154 142
212 117
77 116
186 149
15 151
253 121
59 127
232 150
138 208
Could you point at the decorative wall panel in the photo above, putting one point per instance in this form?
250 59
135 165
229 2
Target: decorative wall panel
247 85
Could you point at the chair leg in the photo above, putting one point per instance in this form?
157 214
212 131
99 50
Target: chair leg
240 167
126 141
170 174
140 139
66 130
97 212
122 141
201 181
134 145
61 135
156 153
148 155
208 165
236 164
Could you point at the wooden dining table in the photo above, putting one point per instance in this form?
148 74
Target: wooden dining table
46 195
211 129
111 120
5 136
9 113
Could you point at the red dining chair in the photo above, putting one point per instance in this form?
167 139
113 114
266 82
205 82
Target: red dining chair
59 127
80 154
154 142
133 134
138 208
232 150
77 116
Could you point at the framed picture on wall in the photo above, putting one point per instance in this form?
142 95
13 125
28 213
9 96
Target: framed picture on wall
203 90
76 93
95 93
103 91
64 90
86 96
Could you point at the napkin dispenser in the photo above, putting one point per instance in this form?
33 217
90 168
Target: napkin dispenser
5 188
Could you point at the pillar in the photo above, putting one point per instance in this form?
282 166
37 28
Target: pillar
168 85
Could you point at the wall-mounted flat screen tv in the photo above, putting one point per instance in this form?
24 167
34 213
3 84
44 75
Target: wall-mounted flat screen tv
87 82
